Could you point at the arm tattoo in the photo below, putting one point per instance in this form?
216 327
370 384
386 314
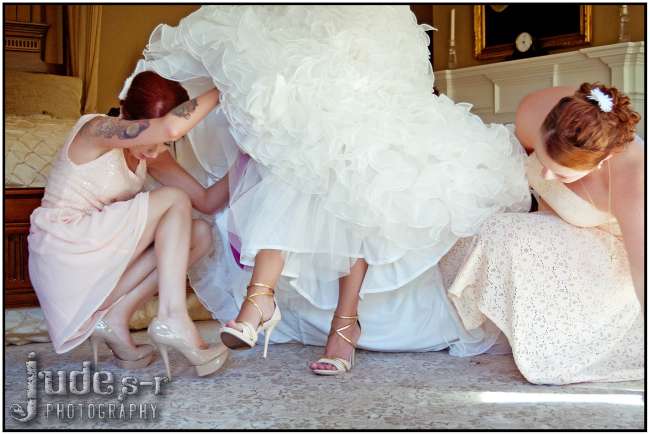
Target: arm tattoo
185 110
121 128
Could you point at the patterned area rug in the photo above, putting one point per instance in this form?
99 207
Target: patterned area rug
384 391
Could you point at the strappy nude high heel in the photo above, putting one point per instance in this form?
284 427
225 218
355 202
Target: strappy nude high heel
340 365
205 361
126 356
247 337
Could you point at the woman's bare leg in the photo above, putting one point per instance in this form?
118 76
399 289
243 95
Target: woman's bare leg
268 266
169 228
140 281
348 303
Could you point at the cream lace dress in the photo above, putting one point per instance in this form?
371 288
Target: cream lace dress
558 286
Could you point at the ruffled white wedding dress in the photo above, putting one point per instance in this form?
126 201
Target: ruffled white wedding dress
351 155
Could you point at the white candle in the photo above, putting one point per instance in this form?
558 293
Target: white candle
453 26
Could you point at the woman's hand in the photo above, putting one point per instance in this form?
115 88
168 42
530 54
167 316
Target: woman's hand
169 173
217 196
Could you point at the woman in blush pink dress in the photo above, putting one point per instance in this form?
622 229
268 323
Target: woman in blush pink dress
99 246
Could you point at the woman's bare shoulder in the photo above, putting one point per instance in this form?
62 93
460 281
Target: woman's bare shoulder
628 170
633 157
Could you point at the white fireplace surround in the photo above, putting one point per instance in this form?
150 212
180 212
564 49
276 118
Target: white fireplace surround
496 89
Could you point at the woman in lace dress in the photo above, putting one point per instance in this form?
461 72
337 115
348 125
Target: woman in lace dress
565 284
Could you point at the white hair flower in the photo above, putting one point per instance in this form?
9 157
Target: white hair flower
605 102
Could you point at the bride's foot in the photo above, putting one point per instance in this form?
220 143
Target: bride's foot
249 313
337 346
258 313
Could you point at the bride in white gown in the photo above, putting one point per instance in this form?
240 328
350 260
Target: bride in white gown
417 317
359 178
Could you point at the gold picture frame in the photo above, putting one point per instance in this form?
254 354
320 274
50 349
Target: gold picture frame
482 51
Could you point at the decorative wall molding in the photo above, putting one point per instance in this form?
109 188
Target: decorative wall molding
496 89
24 36
24 45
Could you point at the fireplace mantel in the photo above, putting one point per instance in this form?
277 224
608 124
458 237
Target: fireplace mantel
496 89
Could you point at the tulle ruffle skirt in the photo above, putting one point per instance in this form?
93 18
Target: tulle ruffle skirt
351 155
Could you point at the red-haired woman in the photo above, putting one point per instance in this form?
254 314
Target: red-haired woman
99 247
560 283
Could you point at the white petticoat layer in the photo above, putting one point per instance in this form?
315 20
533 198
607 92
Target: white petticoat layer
352 155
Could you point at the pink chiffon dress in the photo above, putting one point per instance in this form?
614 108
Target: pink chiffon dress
82 238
